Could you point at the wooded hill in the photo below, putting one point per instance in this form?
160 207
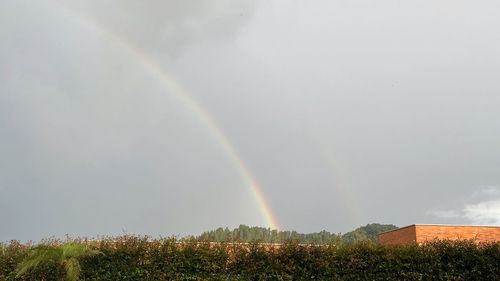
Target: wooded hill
246 233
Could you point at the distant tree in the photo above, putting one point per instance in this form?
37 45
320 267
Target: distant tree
274 236
245 233
368 231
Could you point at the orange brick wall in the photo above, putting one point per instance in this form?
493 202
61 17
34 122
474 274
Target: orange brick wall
450 232
423 233
405 235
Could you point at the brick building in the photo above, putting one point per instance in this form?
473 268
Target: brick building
420 233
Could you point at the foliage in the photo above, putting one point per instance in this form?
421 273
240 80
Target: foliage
60 260
369 231
140 258
252 234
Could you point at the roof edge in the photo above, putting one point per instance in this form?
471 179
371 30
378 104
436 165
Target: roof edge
397 229
430 224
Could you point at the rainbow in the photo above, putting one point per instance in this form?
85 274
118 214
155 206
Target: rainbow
180 93
338 175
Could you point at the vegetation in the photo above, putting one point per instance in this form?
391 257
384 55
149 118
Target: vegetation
265 235
369 231
260 234
64 257
140 258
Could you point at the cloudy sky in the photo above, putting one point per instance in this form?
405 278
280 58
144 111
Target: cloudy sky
344 112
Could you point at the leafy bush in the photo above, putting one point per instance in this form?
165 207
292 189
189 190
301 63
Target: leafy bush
139 258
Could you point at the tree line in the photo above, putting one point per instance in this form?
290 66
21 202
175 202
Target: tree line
246 233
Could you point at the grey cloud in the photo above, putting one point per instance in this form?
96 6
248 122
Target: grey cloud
167 28
90 140
345 112
480 207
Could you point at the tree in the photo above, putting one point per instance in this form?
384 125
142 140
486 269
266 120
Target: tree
65 256
368 231
246 233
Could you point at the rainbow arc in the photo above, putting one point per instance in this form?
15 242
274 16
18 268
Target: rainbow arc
180 93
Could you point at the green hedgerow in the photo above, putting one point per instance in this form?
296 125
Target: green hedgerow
141 258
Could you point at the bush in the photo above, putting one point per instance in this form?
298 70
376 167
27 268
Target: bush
140 258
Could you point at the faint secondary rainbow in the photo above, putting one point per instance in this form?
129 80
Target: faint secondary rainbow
338 175
186 98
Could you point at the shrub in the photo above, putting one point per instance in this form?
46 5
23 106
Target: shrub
140 258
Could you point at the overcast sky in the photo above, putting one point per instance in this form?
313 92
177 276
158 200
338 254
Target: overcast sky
345 112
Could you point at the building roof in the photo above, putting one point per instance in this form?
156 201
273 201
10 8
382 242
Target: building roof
430 224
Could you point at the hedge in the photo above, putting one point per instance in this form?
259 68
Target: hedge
140 258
